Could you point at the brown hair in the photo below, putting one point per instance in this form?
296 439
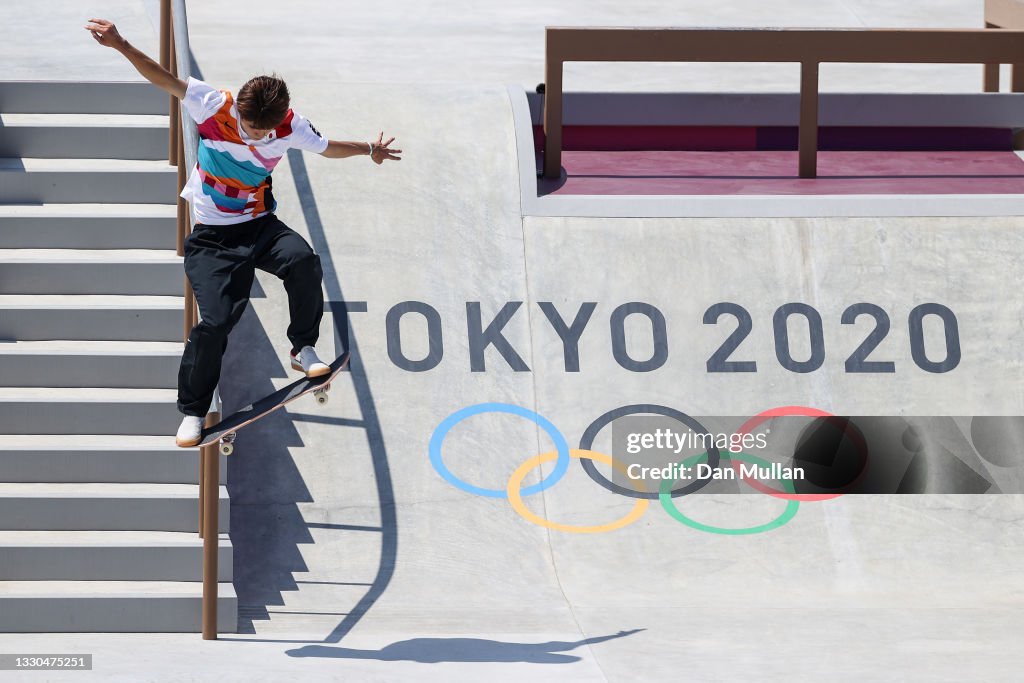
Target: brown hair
263 101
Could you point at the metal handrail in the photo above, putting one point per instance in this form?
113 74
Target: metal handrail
183 143
807 47
183 61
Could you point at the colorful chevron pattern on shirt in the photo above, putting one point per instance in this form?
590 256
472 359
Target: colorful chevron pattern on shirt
231 182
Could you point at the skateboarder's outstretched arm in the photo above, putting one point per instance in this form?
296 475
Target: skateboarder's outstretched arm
378 151
106 34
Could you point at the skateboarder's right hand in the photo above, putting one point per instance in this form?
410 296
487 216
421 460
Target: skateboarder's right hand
105 33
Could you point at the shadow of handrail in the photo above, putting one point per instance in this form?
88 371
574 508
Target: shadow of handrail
344 340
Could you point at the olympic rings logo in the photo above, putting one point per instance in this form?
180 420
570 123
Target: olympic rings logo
563 455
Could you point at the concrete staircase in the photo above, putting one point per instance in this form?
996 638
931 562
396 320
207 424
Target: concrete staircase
98 507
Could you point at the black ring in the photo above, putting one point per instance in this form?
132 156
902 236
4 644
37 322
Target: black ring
587 440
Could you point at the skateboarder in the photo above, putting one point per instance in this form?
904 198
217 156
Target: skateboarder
242 138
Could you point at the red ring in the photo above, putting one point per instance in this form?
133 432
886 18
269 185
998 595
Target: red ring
804 411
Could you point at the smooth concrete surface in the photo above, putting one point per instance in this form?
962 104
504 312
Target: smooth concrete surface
87 226
354 560
88 271
77 99
137 365
41 317
100 136
44 40
404 41
108 556
407 41
877 583
98 458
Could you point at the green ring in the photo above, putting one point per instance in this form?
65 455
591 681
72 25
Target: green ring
665 496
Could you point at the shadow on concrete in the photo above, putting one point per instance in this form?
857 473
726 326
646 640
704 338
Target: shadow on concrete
364 397
437 650
263 480
266 486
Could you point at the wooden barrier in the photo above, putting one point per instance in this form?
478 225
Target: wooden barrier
807 47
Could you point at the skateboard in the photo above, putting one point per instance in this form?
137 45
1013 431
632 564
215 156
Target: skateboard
226 430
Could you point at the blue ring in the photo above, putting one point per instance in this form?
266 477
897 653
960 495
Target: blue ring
561 445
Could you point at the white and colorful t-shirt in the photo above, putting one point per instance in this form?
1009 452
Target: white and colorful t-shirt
231 180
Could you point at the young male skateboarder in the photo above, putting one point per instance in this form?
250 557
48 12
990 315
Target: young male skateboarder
242 138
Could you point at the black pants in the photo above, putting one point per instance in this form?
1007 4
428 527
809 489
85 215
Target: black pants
220 262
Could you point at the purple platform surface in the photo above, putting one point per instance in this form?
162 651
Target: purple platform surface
775 172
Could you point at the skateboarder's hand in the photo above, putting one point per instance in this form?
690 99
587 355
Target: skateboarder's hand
382 151
105 33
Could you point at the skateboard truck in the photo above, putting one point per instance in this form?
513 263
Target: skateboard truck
227 443
321 394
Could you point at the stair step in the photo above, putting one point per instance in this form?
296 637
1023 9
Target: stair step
156 272
94 256
88 226
87 121
88 410
100 458
77 363
32 180
111 607
105 507
99 136
82 97
91 317
108 556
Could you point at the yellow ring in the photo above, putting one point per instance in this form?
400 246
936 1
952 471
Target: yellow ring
515 483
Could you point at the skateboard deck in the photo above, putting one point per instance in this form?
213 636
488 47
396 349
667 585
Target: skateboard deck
225 430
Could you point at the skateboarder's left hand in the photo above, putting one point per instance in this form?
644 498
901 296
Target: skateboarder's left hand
381 151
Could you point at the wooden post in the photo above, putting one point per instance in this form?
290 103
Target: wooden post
552 117
190 311
1017 78
1017 85
202 487
808 144
165 61
175 156
990 81
165 33
189 318
183 226
210 498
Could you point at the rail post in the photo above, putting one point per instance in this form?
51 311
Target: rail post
209 500
552 116
808 133
990 81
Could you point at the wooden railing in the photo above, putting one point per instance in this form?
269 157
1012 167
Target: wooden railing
183 143
1004 14
807 47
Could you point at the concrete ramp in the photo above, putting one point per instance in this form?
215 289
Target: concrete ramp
343 528
462 286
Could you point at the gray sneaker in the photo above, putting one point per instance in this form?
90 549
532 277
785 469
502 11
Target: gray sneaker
309 363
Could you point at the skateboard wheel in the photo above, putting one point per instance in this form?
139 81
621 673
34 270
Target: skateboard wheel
321 399
227 448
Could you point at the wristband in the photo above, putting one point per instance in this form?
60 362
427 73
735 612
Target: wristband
371 148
